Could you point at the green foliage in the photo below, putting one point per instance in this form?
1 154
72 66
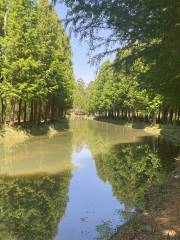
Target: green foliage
122 86
145 35
80 96
118 88
36 70
32 206
104 230
131 169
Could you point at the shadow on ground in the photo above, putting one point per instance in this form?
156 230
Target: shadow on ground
43 128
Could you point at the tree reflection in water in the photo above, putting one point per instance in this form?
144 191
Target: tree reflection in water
31 207
133 168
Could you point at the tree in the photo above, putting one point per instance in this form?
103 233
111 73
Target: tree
150 29
18 61
80 96
36 72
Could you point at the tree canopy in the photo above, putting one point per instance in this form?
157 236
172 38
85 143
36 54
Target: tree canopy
145 36
36 69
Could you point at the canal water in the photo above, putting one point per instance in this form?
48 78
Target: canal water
81 184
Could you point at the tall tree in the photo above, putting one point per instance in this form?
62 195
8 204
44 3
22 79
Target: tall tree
36 72
151 26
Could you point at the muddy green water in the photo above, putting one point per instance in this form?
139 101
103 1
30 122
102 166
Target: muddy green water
80 184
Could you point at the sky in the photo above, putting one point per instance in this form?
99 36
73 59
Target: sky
80 49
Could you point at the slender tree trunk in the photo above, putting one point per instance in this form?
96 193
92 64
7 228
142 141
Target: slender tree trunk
35 112
175 115
25 112
154 119
122 114
159 116
40 112
46 112
32 111
129 115
106 114
12 113
19 111
165 114
52 111
178 115
118 113
2 110
133 115
171 115
3 106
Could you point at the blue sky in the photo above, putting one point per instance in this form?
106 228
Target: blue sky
82 69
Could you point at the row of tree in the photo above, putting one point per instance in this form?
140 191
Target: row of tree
144 80
36 75
123 91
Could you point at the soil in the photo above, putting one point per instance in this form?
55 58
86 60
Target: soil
160 219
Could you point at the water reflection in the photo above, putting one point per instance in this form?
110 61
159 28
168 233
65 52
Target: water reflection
99 136
132 168
90 201
31 207
38 155
43 197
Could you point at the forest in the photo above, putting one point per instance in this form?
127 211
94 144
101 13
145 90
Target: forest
36 74
143 82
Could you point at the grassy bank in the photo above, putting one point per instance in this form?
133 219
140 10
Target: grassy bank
160 219
11 135
168 131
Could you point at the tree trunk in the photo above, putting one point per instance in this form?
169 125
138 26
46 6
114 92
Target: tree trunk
159 116
40 112
25 112
35 112
178 115
154 119
12 114
32 111
46 112
52 111
165 114
171 115
133 115
3 110
19 111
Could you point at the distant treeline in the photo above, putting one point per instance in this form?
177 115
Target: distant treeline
36 75
123 90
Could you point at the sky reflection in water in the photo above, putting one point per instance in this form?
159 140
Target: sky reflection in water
79 185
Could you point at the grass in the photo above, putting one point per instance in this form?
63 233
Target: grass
12 135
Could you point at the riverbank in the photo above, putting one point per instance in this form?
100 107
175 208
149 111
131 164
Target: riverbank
168 131
11 135
160 216
160 219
